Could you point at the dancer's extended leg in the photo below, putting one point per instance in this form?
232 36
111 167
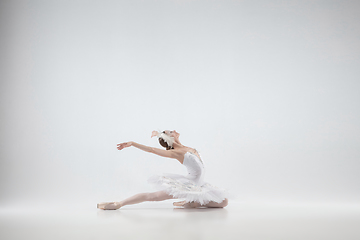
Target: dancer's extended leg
138 198
142 197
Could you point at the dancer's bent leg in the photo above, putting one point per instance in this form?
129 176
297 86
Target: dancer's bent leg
185 204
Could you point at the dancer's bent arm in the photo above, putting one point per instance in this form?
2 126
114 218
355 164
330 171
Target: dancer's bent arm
157 151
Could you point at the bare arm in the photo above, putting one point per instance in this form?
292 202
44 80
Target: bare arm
157 151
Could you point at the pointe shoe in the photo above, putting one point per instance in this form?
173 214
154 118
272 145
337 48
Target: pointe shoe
108 206
187 204
179 204
191 205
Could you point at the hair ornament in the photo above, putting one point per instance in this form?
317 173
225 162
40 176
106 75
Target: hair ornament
169 140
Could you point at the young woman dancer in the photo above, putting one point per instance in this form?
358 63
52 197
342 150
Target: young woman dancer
192 188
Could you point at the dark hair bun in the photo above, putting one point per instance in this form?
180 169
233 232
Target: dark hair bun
164 144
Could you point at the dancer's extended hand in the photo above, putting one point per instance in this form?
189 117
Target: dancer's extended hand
124 145
154 133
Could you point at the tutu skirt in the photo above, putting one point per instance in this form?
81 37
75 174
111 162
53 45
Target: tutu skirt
182 187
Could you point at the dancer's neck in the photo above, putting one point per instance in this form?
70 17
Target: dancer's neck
177 145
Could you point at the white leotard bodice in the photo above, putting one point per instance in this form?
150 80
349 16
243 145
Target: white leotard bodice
195 168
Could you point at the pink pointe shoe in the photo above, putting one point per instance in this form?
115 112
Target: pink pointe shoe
179 204
108 205
185 204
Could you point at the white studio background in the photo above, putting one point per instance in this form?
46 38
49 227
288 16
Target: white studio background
267 91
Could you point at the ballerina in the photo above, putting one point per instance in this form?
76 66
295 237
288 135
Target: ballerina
192 188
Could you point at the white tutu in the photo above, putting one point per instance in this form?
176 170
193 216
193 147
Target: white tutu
192 188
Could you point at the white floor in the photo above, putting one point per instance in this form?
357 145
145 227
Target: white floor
248 221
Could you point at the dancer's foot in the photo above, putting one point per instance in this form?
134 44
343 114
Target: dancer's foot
192 205
109 205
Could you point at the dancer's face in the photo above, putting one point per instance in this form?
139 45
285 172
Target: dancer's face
172 133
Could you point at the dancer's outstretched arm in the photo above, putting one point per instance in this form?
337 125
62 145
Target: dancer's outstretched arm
157 151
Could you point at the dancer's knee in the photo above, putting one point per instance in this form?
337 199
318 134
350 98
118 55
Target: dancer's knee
224 203
149 197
